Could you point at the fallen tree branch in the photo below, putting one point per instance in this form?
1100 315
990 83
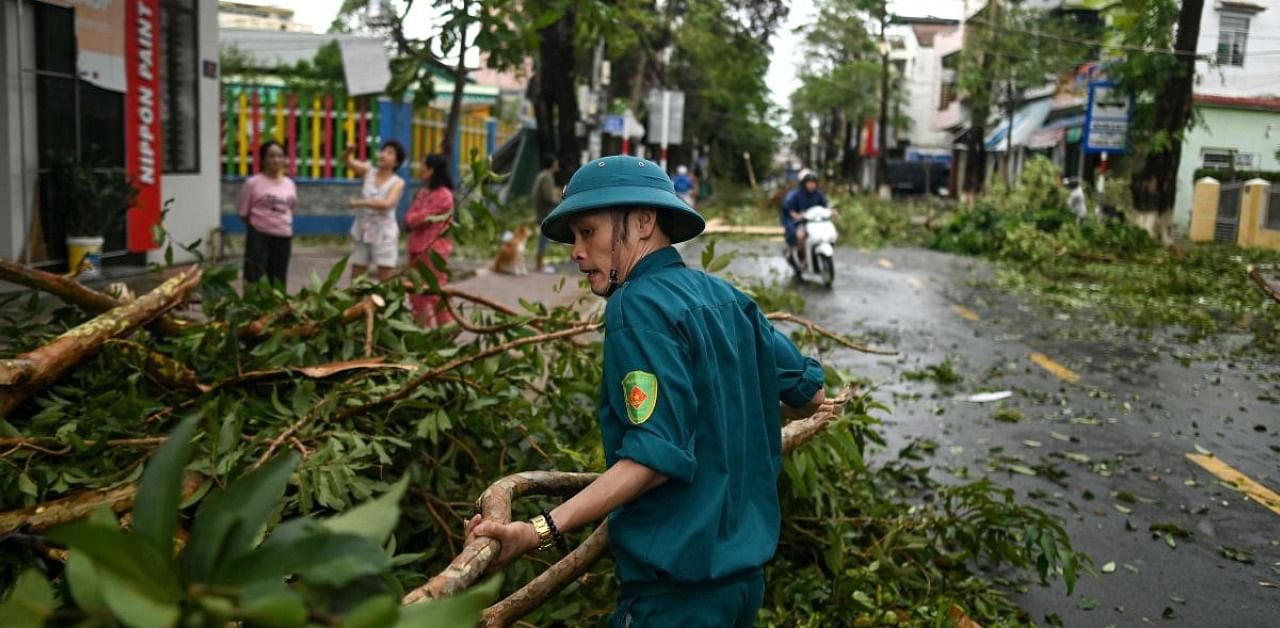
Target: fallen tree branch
261 327
422 379
495 505
1094 256
161 368
51 361
41 517
1262 282
550 582
822 331
77 294
41 443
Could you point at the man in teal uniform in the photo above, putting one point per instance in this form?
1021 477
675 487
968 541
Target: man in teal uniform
696 383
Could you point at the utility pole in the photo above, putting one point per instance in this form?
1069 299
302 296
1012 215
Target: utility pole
882 158
1010 110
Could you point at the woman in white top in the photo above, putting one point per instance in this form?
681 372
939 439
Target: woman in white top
375 231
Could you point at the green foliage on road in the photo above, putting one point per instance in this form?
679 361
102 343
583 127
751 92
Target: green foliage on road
441 417
305 571
1110 267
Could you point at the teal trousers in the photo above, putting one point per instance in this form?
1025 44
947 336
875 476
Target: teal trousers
734 605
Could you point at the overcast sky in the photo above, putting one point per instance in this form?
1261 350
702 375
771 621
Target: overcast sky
782 71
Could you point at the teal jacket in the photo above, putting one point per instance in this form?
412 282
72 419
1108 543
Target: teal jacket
692 379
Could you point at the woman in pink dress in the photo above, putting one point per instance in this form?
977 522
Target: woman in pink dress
428 220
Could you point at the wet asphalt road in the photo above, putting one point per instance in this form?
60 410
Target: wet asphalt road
1114 441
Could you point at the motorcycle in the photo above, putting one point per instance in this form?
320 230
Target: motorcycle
821 242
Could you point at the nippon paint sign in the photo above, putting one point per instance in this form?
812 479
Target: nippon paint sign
142 118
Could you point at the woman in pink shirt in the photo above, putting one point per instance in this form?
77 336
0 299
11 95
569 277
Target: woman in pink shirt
266 206
428 220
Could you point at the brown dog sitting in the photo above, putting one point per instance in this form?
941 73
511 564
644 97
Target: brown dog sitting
510 258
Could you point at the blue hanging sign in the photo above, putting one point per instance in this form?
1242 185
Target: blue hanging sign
1106 119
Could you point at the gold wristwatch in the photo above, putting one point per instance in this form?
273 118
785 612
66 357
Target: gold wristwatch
545 539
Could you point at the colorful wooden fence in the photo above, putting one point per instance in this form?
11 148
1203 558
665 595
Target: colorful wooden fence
316 128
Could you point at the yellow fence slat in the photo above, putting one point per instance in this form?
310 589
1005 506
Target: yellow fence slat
316 136
242 168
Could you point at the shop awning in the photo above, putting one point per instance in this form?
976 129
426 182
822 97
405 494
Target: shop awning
1026 121
1045 138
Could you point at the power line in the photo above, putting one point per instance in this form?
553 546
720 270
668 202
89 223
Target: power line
1077 40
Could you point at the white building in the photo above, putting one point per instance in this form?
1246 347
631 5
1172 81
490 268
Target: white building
259 16
920 66
135 83
1237 95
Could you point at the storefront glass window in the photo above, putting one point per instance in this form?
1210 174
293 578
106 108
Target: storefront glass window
179 76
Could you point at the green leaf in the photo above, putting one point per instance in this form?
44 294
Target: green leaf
86 589
130 558
155 512
135 607
29 602
273 605
376 612
376 519
229 521
135 581
462 609
318 556
720 263
26 486
335 275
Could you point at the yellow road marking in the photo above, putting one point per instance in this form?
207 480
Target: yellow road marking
1244 483
884 263
965 313
1061 372
915 283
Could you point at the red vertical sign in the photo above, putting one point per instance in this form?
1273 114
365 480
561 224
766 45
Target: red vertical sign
142 118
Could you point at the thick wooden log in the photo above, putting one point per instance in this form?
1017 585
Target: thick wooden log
75 293
50 362
41 517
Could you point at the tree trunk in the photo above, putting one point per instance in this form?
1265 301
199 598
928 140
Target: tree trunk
556 100
32 371
1154 183
455 105
1011 107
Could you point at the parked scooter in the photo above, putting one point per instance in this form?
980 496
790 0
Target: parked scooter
821 241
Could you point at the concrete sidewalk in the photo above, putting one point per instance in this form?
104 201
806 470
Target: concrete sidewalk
470 275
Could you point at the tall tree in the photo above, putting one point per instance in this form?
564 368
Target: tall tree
1008 51
838 84
482 24
1166 81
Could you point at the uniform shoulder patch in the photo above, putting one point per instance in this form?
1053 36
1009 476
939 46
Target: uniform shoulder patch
640 395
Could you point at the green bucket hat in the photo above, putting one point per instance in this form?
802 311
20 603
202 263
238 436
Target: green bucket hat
621 181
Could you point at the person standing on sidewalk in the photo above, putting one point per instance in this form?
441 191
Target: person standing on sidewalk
696 383
266 206
375 231
428 220
546 194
